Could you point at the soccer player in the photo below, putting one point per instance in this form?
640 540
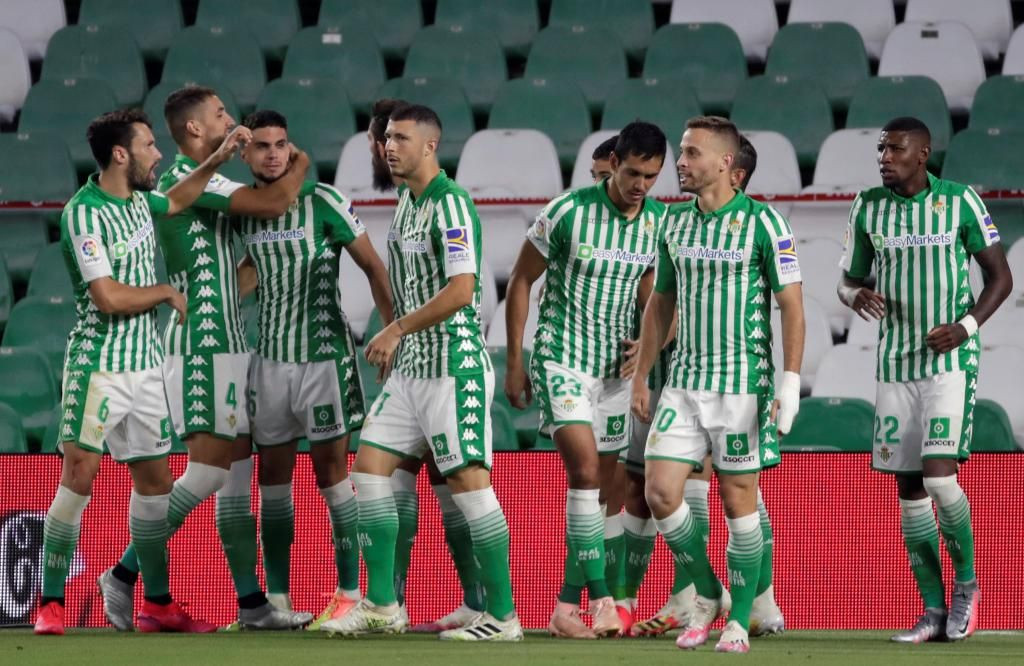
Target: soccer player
303 378
719 256
438 395
920 233
600 167
113 392
597 244
208 358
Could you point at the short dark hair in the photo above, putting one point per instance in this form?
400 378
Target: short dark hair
605 148
265 118
179 107
908 124
723 127
114 128
382 110
746 159
417 112
645 140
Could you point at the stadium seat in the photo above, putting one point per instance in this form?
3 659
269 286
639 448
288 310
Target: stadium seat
448 99
631 22
29 387
556 108
715 76
157 97
12 435
272 22
1013 61
1015 257
353 175
829 54
6 293
882 98
219 57
34 22
945 51
592 58
997 102
873 19
15 78
514 22
797 109
668 103
528 166
819 219
817 342
993 432
356 301
42 323
777 169
320 118
36 167
497 333
21 237
98 52
488 293
849 159
755 21
51 436
1004 326
348 54
831 424
153 23
990 21
667 184
66 108
471 57
50 278
819 267
999 376
503 428
864 333
989 159
526 421
846 371
394 22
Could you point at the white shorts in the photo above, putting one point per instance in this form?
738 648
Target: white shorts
568 396
126 412
453 414
735 428
319 400
927 418
206 393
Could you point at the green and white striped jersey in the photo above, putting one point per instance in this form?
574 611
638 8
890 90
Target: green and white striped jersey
201 263
921 247
432 239
722 267
296 256
104 236
595 259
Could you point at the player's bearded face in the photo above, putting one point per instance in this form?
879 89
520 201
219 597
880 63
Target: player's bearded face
700 164
268 153
406 147
143 158
217 122
382 179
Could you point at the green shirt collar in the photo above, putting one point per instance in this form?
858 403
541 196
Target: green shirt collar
183 159
920 196
738 200
93 185
432 186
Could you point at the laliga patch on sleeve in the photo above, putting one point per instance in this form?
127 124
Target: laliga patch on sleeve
990 229
539 229
89 250
785 252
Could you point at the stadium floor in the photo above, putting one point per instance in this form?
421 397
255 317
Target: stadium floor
815 648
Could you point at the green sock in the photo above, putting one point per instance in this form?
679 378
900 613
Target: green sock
378 532
573 581
489 531
695 494
458 536
764 579
688 547
615 556
236 526
147 523
743 558
61 528
403 485
921 538
341 505
639 544
585 525
955 523
277 532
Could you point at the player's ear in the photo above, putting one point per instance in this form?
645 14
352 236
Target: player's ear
613 161
119 155
192 128
926 151
727 161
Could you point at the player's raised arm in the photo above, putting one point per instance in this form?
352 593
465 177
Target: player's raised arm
273 200
191 186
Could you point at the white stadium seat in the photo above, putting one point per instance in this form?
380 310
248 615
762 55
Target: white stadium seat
1013 61
817 342
999 374
667 184
34 22
1003 328
990 21
777 169
497 335
819 267
754 21
15 79
873 19
488 293
1015 257
846 371
356 300
945 51
819 219
862 333
849 158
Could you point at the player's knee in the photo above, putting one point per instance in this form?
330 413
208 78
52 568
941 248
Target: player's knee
944 490
584 477
662 498
739 494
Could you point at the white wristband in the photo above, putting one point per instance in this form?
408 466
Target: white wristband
970 324
790 382
848 294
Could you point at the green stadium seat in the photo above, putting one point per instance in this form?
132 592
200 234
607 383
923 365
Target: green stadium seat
472 57
668 103
525 422
992 430
715 74
879 99
219 57
21 238
997 103
368 375
44 324
51 436
557 109
375 324
796 109
831 424
36 167
592 58
29 387
153 23
272 22
503 428
66 108
394 22
6 293
320 118
12 435
50 278
986 159
447 98
829 54
349 54
631 22
157 97
514 22
98 52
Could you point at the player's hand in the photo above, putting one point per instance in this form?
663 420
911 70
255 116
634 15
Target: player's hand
787 405
234 142
297 159
946 338
630 356
385 371
868 304
641 401
517 387
382 348
176 300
